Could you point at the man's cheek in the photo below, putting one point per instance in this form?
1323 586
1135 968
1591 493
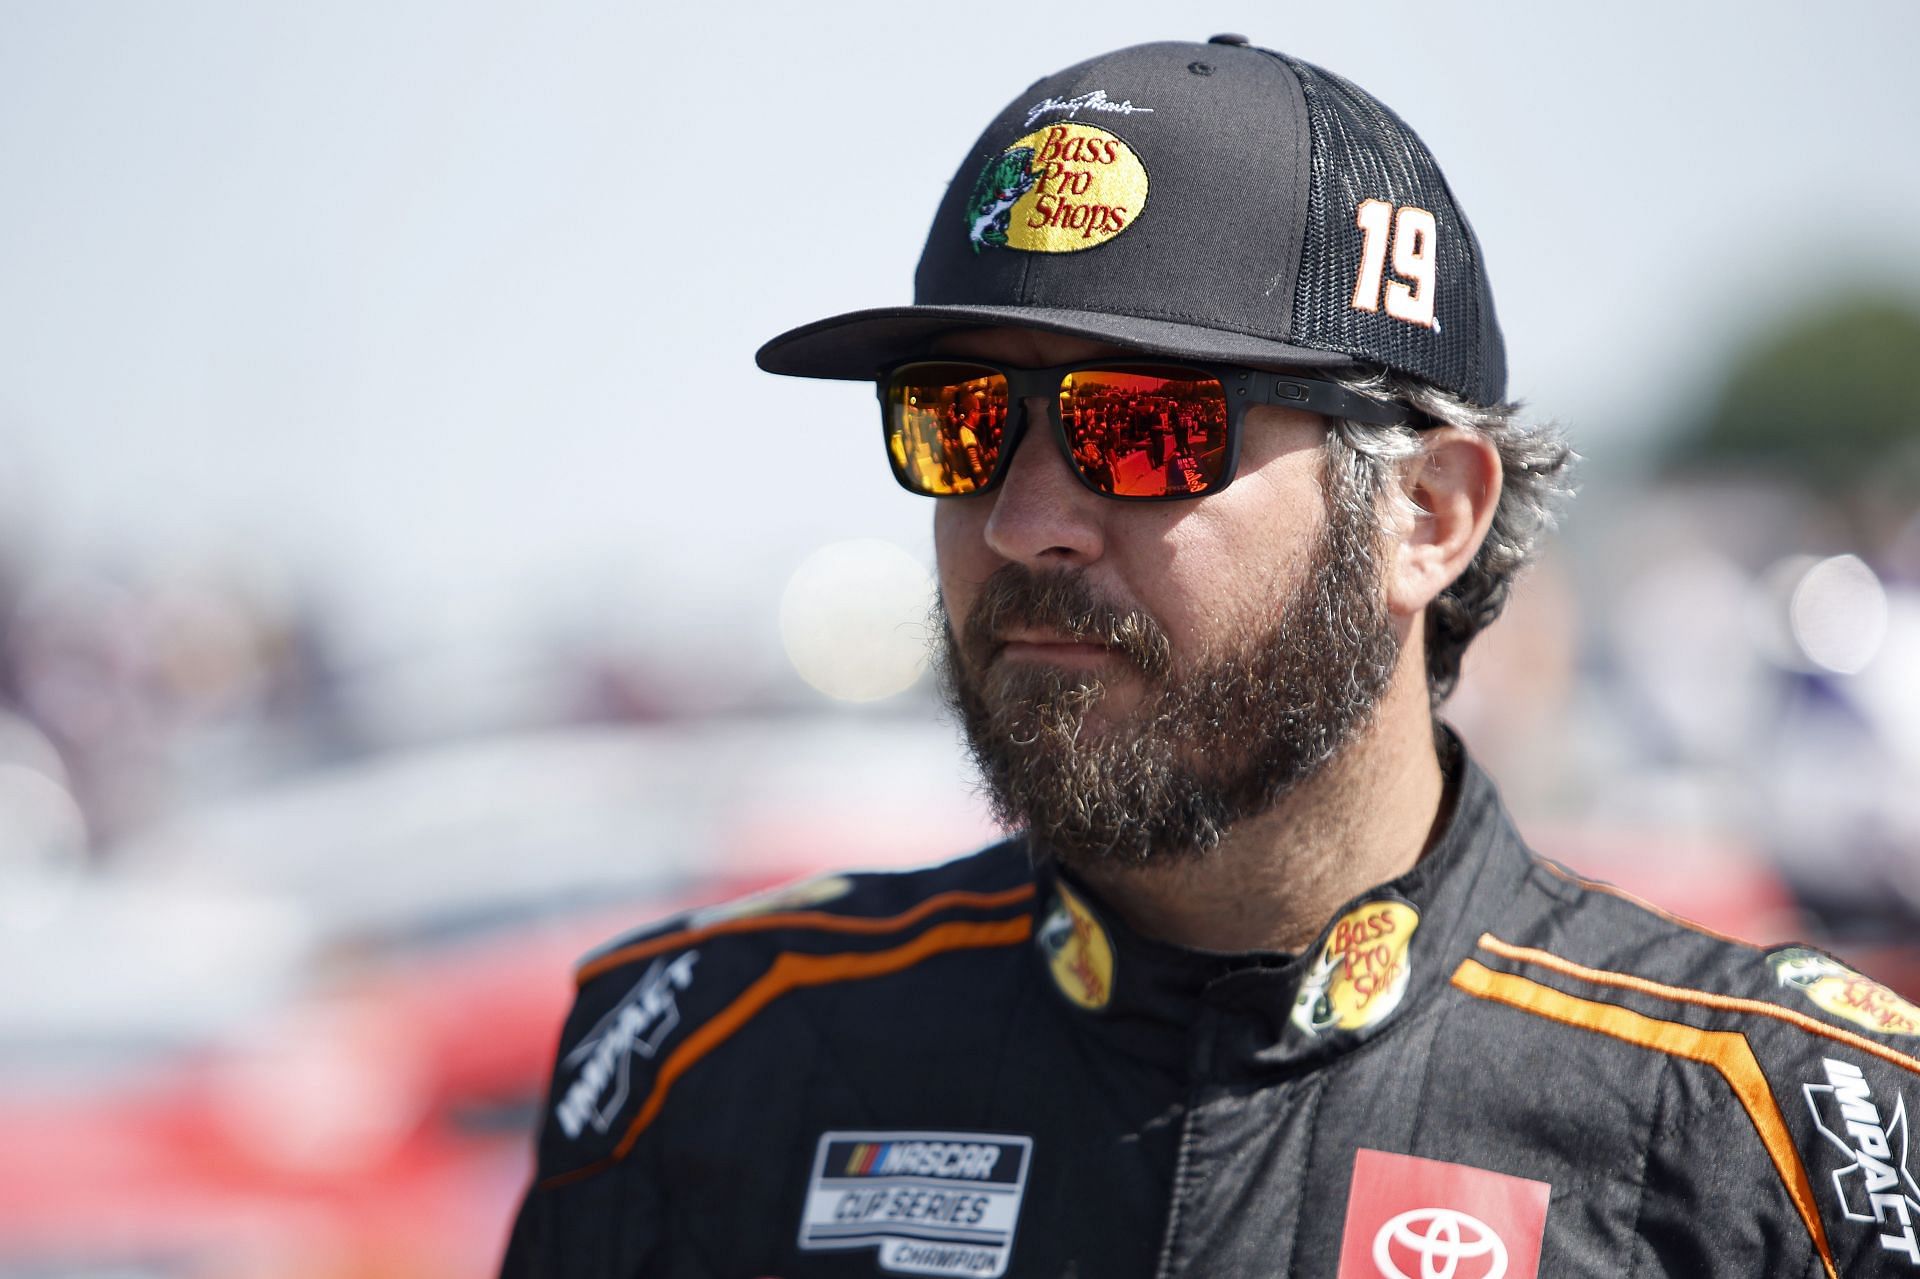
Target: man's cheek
959 582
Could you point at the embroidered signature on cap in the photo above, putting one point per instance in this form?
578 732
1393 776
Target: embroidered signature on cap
1094 101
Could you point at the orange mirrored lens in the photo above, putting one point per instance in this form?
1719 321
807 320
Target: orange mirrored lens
944 425
1146 431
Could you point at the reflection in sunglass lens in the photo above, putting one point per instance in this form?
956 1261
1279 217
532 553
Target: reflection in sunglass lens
944 425
1146 431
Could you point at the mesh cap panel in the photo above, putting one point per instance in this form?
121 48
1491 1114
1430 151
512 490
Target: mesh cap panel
1363 151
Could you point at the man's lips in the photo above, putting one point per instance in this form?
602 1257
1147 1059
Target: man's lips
1059 649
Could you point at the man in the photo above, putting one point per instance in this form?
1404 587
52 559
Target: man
1267 984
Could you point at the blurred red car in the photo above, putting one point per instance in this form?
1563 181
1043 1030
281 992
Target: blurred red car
360 1097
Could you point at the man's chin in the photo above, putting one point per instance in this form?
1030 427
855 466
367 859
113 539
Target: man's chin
1092 705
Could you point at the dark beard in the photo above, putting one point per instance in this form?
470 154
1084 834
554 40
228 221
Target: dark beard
1208 747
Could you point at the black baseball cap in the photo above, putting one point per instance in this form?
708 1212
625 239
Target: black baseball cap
1204 201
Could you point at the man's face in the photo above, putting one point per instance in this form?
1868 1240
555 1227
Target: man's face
1135 678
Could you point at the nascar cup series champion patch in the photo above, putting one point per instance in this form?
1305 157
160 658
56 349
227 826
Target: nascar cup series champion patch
932 1203
1062 188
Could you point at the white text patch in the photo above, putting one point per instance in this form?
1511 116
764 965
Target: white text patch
933 1203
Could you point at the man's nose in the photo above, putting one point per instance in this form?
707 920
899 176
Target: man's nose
1043 516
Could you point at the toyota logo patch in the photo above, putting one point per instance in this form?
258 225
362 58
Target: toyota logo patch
1441 1238
1413 1218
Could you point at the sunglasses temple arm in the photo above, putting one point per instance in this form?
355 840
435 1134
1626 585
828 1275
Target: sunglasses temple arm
1328 398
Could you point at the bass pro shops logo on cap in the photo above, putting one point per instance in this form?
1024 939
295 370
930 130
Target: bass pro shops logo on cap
1059 189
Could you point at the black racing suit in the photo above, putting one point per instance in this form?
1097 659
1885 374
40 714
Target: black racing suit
1485 1068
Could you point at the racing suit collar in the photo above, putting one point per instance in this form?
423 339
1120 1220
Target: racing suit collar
1374 967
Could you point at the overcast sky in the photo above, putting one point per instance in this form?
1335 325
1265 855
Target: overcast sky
453 304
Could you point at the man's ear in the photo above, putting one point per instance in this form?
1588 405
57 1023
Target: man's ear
1453 484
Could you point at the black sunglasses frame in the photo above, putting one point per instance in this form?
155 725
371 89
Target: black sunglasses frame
1243 386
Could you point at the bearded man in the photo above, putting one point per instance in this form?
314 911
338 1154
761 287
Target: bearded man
1266 983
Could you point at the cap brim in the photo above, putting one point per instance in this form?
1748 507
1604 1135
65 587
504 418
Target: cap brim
855 346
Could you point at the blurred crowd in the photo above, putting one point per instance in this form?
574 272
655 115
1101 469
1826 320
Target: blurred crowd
136 693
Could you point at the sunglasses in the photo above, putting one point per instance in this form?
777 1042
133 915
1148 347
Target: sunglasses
1136 431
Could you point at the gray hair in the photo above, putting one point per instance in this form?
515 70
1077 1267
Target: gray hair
1363 465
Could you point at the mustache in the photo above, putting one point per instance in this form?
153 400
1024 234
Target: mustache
1017 598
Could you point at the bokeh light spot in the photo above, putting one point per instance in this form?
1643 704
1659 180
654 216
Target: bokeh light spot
853 619
1838 613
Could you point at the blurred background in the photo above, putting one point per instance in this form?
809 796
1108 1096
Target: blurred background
407 581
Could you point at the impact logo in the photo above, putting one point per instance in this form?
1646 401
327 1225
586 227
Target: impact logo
1059 189
1360 975
933 1203
637 1025
1079 953
1843 992
1874 1186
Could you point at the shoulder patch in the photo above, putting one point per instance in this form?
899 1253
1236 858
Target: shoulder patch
818 891
1841 992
